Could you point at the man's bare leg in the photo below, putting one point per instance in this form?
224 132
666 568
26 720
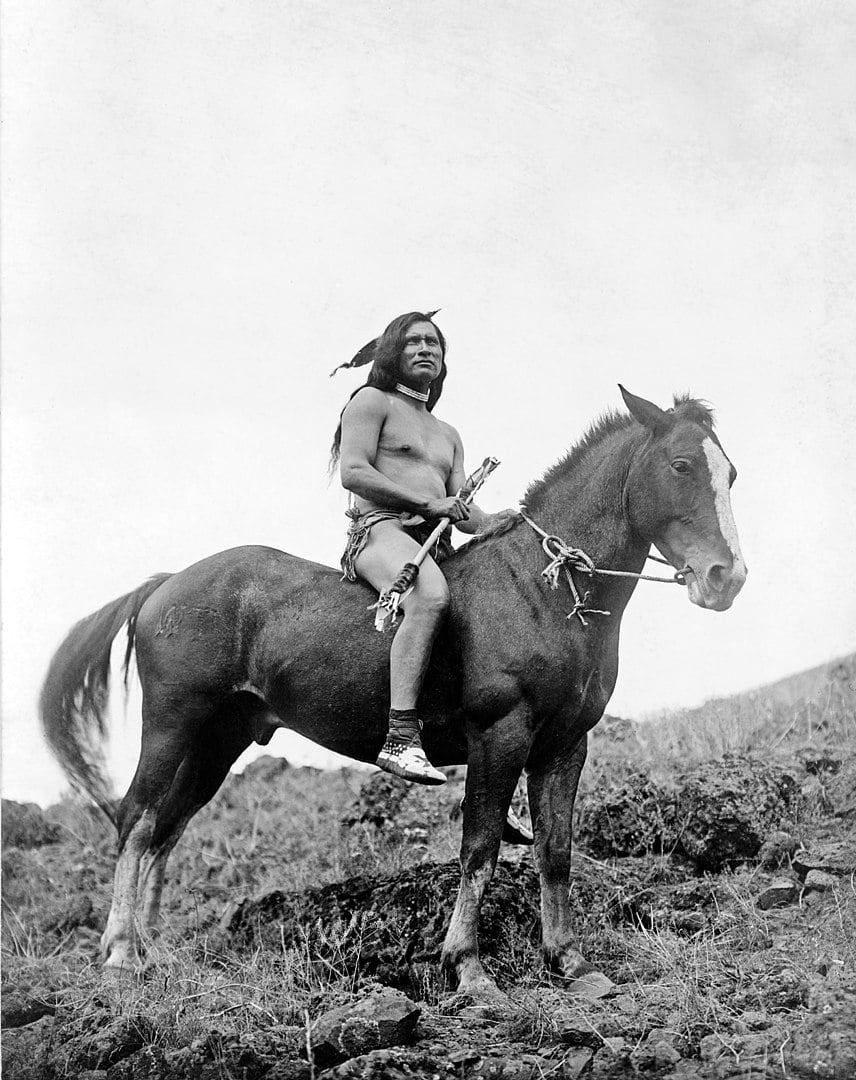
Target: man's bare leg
387 550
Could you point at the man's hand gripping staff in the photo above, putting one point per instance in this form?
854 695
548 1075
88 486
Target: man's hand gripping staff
386 609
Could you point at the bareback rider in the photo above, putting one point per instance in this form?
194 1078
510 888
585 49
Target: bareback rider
404 468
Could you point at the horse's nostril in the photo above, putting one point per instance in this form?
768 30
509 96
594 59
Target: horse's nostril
717 577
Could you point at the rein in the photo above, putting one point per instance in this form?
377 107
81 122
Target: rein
564 557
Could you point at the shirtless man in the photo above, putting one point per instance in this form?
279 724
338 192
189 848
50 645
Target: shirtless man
404 467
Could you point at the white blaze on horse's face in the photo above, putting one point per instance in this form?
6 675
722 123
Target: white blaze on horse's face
707 538
720 478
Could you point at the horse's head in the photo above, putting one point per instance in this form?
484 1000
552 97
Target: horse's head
678 498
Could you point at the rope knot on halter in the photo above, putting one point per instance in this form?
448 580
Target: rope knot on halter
564 557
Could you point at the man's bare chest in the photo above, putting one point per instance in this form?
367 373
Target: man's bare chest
421 440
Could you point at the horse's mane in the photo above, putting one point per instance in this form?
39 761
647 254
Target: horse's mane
609 422
684 407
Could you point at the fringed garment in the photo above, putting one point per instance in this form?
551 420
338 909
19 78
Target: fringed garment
362 524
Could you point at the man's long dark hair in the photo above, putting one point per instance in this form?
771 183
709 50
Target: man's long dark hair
385 370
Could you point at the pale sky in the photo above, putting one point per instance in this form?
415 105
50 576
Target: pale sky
208 207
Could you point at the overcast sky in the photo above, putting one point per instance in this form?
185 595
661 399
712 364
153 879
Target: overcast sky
207 207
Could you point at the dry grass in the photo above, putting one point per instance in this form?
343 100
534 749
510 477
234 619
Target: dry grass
816 709
285 834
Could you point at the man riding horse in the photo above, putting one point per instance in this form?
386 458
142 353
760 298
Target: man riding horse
404 469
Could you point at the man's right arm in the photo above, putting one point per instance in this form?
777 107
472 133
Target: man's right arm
362 422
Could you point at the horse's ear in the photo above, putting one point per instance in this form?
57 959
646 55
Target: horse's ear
647 413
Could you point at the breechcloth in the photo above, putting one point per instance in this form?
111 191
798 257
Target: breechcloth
363 523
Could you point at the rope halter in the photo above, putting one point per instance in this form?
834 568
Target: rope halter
565 558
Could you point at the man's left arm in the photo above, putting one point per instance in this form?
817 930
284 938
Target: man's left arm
479 520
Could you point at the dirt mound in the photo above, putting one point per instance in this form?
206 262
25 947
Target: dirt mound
825 1045
841 790
25 826
406 810
98 1045
717 815
632 818
397 923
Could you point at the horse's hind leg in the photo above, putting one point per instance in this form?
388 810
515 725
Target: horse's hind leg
169 726
204 768
119 941
496 760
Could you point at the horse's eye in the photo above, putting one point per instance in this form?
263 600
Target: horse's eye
681 466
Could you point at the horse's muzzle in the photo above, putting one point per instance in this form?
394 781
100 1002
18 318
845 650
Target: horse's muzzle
715 586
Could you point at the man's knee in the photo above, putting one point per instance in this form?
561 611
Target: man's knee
431 598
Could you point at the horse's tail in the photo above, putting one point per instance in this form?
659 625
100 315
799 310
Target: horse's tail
76 692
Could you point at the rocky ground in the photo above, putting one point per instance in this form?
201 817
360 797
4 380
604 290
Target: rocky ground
306 911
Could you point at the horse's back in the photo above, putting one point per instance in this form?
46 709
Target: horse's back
209 614
220 578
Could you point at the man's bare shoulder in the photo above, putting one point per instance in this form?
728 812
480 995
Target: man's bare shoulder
450 432
368 401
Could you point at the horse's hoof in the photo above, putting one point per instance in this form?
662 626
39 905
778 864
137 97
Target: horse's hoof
482 1000
484 1009
483 1013
592 984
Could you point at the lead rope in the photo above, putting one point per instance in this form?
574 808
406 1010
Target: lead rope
564 557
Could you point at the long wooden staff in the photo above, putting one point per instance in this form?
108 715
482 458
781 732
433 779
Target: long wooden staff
386 609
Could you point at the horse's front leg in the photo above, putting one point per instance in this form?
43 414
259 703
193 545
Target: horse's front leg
495 761
553 777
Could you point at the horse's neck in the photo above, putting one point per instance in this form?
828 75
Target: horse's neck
584 506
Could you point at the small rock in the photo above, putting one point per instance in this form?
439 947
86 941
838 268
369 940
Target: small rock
711 1047
464 1057
741 1047
754 1019
19 1008
835 857
752 1045
579 1033
689 922
373 1023
626 1003
776 849
574 1063
672 1038
616 1044
665 1054
657 1051
781 891
820 880
593 985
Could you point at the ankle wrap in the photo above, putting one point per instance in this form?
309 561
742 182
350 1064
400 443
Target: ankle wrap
404 726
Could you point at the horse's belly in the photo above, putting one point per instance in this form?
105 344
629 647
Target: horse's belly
333 688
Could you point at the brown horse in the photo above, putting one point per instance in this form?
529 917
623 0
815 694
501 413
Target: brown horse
253 639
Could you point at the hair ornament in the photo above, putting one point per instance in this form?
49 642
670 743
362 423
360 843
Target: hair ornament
366 353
